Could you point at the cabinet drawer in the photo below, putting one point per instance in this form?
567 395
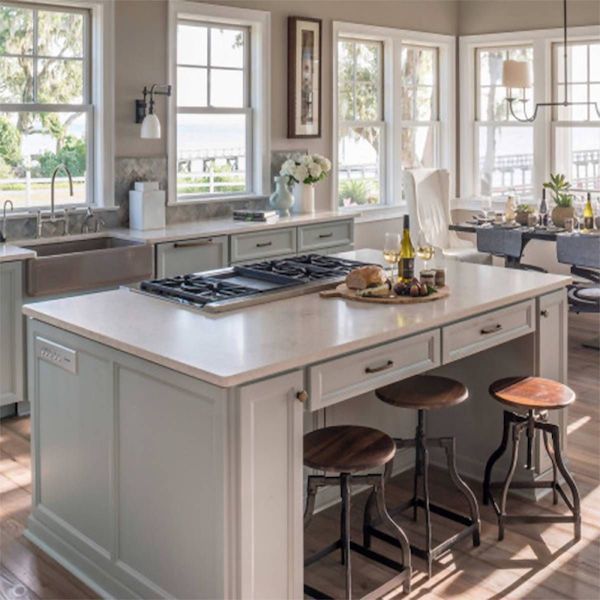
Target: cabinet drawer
191 256
487 330
342 378
263 244
325 235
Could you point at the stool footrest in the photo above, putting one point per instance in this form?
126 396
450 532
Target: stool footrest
532 485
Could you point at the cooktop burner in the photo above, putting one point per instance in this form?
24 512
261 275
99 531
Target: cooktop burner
231 287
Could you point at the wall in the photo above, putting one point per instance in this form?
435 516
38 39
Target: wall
141 50
494 16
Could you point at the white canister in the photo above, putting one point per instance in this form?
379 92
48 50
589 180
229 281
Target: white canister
304 193
147 206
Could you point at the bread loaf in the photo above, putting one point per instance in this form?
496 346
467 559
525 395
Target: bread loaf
362 278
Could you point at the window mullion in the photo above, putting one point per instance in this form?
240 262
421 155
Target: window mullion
34 91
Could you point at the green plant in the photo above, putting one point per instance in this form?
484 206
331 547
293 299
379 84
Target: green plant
559 186
353 191
524 208
72 154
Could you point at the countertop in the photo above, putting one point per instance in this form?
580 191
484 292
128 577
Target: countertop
234 348
11 253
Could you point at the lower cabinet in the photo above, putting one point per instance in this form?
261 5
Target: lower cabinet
192 256
11 336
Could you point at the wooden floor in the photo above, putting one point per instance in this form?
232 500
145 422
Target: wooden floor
533 561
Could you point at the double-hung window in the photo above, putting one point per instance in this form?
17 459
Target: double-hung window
504 157
419 107
576 128
46 109
361 136
214 116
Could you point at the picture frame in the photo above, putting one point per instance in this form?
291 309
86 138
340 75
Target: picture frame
304 77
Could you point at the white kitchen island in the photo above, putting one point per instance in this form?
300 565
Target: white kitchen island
167 443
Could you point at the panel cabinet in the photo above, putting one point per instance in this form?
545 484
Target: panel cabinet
324 236
263 244
11 336
192 256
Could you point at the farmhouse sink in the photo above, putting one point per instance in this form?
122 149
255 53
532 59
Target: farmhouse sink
87 264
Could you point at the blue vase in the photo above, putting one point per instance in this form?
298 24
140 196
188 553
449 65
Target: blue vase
281 199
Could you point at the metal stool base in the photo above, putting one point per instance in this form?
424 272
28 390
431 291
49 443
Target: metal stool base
530 424
346 545
472 524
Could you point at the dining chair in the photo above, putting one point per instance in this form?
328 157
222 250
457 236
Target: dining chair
427 192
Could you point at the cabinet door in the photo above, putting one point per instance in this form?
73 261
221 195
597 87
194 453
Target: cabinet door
11 336
270 490
191 256
316 238
263 244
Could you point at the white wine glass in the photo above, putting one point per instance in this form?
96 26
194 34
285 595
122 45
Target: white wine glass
391 251
425 249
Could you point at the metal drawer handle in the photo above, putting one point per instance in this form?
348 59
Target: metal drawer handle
388 365
322 236
302 395
544 313
264 244
196 244
493 329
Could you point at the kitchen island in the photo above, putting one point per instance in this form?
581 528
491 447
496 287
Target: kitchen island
167 442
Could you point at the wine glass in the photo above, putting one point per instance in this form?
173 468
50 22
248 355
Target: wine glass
425 249
391 250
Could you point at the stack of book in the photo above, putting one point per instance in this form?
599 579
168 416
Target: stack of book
257 216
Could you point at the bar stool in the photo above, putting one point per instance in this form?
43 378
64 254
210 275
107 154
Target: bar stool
347 449
536 396
424 393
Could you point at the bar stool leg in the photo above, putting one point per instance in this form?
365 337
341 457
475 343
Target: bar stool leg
516 433
568 479
311 494
552 458
450 447
496 455
345 479
422 444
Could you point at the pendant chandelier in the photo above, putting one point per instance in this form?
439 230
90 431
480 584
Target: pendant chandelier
516 74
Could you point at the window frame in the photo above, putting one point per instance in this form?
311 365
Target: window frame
257 75
393 39
99 88
543 134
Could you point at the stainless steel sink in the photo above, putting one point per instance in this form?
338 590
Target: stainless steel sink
80 265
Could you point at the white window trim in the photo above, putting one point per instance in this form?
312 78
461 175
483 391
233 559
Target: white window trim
541 40
259 24
393 39
101 172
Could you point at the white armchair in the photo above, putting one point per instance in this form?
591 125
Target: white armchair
427 192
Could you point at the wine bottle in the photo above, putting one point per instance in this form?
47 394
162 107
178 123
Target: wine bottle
406 264
588 214
543 210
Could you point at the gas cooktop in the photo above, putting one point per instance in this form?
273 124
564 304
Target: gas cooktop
243 285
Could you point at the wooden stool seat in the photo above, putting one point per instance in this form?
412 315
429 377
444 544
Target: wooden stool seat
423 392
347 448
532 393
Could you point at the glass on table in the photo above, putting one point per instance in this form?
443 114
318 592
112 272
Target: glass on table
425 249
391 251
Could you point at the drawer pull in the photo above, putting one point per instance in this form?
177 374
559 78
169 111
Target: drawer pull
388 365
544 313
196 244
493 329
322 236
302 395
263 244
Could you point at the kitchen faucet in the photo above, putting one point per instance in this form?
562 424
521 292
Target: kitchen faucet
53 218
3 232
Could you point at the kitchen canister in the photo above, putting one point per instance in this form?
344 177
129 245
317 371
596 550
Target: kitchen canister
147 206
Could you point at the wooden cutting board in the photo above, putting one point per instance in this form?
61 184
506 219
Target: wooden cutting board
342 291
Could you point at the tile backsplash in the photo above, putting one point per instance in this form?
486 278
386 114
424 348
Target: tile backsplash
127 172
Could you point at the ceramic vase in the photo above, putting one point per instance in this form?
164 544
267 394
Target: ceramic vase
560 213
281 199
305 197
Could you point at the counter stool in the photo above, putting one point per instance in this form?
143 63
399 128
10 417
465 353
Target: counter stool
427 392
536 396
347 449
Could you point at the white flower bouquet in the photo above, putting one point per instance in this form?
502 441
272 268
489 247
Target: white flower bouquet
308 169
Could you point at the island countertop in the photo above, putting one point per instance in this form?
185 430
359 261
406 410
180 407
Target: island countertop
234 348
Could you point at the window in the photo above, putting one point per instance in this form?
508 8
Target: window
361 126
503 146
576 129
46 109
419 107
214 121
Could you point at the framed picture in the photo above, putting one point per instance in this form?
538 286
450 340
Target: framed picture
304 77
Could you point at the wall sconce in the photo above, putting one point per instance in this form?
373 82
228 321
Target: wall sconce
144 111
